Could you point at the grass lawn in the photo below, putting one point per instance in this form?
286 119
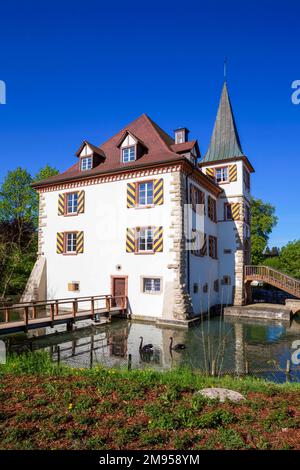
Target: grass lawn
43 406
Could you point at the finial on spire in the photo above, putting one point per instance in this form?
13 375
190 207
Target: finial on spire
225 68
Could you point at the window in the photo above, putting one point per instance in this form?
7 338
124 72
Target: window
228 211
226 280
195 288
73 286
128 154
213 247
216 285
145 197
247 178
86 163
151 285
212 209
205 288
222 174
247 214
179 137
72 203
145 239
71 242
227 251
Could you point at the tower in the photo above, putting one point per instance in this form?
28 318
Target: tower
226 163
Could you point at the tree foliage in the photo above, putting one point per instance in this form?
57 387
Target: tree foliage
18 228
263 220
288 260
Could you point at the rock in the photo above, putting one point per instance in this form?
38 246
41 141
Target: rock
221 393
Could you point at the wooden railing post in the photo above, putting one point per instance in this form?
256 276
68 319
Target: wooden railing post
52 313
34 311
108 305
92 307
56 308
6 318
26 312
74 308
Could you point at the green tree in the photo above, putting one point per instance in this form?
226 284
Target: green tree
18 228
263 220
288 260
46 172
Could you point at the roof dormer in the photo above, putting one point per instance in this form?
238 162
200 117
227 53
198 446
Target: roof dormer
131 147
89 156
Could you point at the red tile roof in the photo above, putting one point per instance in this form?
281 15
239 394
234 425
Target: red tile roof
160 148
184 146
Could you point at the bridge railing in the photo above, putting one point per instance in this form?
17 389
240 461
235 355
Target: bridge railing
274 277
53 309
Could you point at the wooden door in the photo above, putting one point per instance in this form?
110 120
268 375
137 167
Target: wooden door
119 289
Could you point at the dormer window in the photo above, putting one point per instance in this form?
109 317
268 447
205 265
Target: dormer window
86 163
128 154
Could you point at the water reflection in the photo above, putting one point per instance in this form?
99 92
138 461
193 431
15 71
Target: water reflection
230 345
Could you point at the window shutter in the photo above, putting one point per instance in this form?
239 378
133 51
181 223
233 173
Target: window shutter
210 172
61 204
158 192
131 194
193 196
130 240
235 209
80 202
79 242
193 241
158 239
203 251
60 242
232 173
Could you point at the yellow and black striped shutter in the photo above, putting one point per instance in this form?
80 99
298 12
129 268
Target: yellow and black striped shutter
232 173
158 239
130 240
79 242
158 192
61 204
131 195
235 209
210 172
60 242
80 202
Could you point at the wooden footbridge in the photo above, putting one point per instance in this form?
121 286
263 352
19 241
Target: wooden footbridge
48 313
273 277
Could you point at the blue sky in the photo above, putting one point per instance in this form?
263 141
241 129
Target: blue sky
79 70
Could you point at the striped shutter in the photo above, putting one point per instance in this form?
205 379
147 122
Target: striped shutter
235 209
158 239
79 242
210 172
130 240
131 194
158 192
60 242
232 173
80 202
203 251
61 204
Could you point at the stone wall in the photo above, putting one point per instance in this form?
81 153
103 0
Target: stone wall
239 289
183 308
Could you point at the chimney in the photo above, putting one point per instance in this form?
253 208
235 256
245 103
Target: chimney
181 135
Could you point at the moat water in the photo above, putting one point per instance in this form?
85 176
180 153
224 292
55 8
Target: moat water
233 345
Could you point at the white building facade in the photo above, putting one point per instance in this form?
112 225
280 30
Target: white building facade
143 216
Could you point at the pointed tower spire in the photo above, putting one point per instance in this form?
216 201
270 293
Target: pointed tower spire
225 142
